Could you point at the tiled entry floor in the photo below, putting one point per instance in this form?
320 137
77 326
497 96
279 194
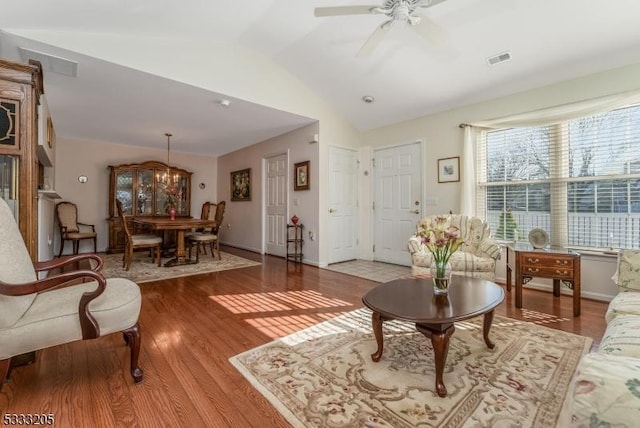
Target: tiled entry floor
375 271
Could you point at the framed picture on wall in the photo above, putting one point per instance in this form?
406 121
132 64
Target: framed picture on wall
241 185
449 170
301 176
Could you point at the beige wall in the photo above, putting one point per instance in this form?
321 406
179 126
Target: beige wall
443 138
235 71
74 158
243 225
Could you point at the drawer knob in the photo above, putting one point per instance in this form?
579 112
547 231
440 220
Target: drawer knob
530 260
533 270
561 262
562 272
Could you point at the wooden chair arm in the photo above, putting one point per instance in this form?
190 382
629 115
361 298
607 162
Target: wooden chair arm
89 325
92 226
56 263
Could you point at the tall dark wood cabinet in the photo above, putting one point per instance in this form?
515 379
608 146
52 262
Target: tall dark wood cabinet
137 186
20 90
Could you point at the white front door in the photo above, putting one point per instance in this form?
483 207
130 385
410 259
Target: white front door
343 204
397 201
275 204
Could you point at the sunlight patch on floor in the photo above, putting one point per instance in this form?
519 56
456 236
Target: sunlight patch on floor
374 271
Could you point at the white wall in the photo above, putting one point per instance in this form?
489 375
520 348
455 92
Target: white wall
243 223
226 69
74 158
443 138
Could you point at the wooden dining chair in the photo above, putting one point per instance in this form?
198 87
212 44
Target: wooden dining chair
71 229
209 235
134 241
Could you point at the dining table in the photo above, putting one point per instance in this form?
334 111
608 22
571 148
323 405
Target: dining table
180 225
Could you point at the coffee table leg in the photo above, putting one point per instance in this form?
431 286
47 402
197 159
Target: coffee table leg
486 326
440 343
376 321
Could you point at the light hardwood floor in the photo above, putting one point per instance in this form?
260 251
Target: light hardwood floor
190 328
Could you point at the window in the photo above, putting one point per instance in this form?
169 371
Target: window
578 180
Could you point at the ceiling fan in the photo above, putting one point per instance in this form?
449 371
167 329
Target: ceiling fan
404 11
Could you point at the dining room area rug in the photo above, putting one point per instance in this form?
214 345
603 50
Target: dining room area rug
144 269
323 376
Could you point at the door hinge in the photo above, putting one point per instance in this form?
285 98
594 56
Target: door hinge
373 162
373 205
374 248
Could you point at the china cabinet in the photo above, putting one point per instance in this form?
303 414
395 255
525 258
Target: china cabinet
142 190
20 91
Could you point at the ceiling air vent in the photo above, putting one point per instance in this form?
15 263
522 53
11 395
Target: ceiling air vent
51 63
497 59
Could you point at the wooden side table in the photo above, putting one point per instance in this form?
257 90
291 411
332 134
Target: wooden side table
559 264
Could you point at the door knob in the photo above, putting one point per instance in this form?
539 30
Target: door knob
331 210
416 211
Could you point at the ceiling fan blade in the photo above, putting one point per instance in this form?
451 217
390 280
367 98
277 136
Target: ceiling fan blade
343 10
374 40
430 31
430 3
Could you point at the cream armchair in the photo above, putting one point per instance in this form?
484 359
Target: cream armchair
476 257
36 314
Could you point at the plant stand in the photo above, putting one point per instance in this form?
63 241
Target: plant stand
294 243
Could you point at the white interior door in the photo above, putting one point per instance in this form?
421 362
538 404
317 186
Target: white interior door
275 204
343 204
397 201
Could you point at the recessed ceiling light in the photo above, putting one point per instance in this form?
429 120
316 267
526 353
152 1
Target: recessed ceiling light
368 99
224 102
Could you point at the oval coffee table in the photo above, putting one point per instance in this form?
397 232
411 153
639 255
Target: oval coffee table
412 299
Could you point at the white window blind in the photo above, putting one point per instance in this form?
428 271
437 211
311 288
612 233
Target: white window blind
579 180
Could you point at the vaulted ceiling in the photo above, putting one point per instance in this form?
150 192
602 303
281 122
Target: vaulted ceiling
407 75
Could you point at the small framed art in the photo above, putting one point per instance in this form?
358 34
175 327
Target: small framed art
449 170
301 176
241 185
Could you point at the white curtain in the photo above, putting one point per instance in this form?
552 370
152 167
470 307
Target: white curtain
468 176
548 116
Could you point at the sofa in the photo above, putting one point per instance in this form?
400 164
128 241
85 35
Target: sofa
476 257
605 391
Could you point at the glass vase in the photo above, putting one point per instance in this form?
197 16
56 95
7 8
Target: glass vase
172 213
441 276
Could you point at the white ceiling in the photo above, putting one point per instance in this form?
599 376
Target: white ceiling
549 40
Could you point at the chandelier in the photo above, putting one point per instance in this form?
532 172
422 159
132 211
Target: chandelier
166 179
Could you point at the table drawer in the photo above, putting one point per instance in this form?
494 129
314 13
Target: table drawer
547 271
547 260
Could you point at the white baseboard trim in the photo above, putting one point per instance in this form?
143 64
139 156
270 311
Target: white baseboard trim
563 290
242 247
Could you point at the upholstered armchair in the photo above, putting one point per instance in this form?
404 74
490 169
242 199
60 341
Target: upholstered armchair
476 257
61 308
71 229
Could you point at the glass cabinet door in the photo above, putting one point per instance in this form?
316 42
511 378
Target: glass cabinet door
183 185
171 191
9 177
144 201
124 190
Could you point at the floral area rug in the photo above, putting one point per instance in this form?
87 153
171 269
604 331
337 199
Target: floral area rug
323 376
143 269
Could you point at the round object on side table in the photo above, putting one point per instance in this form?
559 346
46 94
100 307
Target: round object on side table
538 238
